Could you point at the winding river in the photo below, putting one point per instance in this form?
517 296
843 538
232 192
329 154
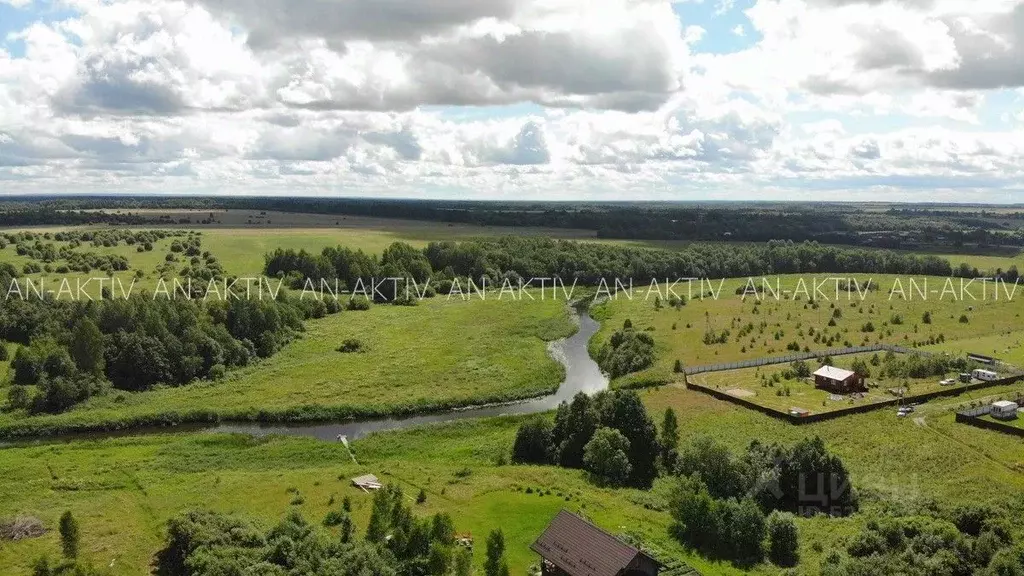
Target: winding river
581 375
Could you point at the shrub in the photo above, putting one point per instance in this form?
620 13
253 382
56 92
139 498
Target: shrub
69 536
350 345
783 539
358 303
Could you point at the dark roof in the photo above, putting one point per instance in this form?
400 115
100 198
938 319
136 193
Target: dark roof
582 549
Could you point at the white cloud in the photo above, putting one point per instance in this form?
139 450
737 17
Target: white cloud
562 97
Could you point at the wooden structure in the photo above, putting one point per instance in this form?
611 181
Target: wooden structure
837 380
571 546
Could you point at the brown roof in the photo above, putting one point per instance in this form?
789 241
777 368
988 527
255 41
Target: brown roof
582 549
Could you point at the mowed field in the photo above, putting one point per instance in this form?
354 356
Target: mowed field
440 353
123 490
767 327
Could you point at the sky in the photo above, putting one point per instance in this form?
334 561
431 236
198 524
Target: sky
861 100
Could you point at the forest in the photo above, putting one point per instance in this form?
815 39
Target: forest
894 227
72 350
515 258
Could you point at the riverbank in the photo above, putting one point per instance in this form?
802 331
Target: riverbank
436 356
581 374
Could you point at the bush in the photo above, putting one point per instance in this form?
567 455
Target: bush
350 345
18 397
783 539
964 319
4 354
69 537
627 351
358 303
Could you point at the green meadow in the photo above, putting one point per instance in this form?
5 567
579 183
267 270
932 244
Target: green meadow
746 327
123 490
448 352
441 353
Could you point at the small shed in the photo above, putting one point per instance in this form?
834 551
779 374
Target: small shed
1004 410
571 546
981 358
837 380
367 482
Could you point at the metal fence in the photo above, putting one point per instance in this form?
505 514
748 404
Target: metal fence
975 412
753 362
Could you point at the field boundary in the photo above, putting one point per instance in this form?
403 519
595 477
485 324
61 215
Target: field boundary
971 417
822 416
768 360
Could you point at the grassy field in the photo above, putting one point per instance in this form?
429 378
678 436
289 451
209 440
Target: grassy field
767 327
768 386
123 490
1016 423
440 353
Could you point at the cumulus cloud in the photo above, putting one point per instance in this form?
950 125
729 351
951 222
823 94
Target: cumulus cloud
508 98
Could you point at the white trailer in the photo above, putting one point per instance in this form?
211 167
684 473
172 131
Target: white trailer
986 375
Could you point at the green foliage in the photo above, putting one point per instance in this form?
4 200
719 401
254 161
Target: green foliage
350 345
533 442
210 544
576 423
722 528
605 456
87 346
70 349
783 539
69 535
495 564
627 351
897 544
668 439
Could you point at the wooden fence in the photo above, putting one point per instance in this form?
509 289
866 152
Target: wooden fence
972 417
859 409
786 359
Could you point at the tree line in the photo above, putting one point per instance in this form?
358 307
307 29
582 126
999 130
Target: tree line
514 258
71 350
752 222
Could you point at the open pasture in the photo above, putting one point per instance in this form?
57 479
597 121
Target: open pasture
123 490
441 353
717 325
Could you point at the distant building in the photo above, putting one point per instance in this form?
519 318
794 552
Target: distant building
571 546
838 380
981 358
1004 410
986 375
